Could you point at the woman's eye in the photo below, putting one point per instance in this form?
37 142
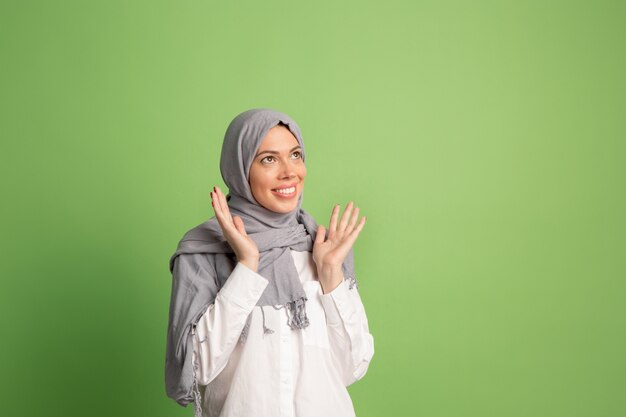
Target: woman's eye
270 159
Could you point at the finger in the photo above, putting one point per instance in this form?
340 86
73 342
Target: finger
321 234
349 240
353 219
225 223
224 204
332 227
217 206
218 195
215 203
219 215
345 217
239 225
355 232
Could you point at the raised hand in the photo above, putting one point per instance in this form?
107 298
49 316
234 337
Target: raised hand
330 251
234 231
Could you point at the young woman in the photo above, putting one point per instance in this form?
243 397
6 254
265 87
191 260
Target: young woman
265 315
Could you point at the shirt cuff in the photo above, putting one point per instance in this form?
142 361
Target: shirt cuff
244 286
337 302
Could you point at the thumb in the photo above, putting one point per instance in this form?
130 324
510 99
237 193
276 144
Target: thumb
320 236
239 225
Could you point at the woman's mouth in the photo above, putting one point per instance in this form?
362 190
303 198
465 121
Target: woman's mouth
288 192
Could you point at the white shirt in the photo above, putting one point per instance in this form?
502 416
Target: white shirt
288 373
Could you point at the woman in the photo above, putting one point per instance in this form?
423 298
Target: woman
265 316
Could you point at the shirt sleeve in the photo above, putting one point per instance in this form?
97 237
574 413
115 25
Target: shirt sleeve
352 345
217 332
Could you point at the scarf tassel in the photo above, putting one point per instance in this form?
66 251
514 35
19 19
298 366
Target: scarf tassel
197 403
266 330
297 313
352 282
297 318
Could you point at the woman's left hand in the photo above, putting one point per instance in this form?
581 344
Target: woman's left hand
330 251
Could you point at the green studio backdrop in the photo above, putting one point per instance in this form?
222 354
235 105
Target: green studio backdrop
483 140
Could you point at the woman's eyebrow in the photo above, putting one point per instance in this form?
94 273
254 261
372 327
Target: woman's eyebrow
276 152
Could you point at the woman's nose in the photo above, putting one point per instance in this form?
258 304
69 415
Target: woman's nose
287 170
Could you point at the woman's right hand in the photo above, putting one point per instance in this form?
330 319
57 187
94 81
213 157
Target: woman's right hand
234 231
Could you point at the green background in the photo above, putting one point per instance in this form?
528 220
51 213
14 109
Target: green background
484 141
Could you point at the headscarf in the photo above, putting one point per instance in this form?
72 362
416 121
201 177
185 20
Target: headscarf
208 260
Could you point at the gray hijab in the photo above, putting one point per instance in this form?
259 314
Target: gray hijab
204 260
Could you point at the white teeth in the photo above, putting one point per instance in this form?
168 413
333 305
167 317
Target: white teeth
287 190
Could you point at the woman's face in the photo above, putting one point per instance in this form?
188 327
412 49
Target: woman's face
277 171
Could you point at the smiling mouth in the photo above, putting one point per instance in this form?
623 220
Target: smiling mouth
286 192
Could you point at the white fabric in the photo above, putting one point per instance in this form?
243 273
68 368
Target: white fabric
288 373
